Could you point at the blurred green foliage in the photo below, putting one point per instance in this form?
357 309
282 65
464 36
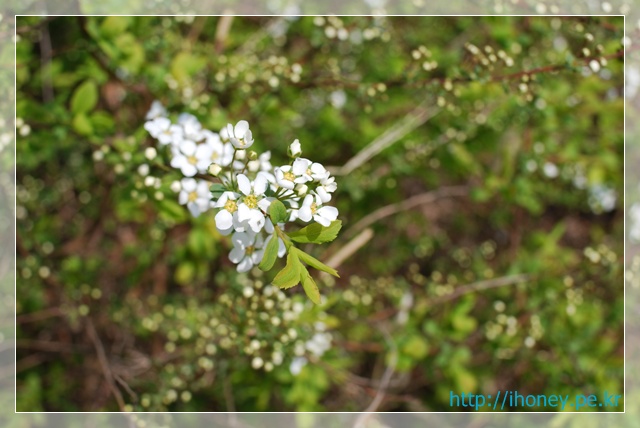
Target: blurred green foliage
509 278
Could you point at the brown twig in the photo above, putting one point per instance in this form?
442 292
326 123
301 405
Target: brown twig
104 363
482 285
407 204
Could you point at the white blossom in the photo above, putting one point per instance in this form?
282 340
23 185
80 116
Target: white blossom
191 158
249 210
156 110
288 176
162 130
240 135
295 148
247 250
312 208
195 195
227 217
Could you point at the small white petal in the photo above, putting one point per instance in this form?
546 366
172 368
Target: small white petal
245 265
323 221
330 213
260 184
244 184
224 220
241 128
236 255
304 213
300 166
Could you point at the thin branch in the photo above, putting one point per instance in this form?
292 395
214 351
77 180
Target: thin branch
350 248
45 60
407 204
482 285
39 315
411 121
222 31
384 381
104 363
228 398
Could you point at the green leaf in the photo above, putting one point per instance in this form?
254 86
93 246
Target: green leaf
114 25
316 233
310 286
313 262
278 212
82 125
270 254
217 189
84 98
290 274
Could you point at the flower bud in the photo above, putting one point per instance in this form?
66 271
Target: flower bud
143 169
176 186
214 169
150 153
302 189
253 155
241 154
295 149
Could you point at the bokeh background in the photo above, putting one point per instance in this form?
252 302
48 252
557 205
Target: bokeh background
479 168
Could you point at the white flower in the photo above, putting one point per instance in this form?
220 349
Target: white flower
247 250
240 135
162 130
326 187
150 153
297 364
227 217
191 127
221 153
295 149
195 195
191 158
318 172
312 208
249 210
156 110
288 176
319 343
263 163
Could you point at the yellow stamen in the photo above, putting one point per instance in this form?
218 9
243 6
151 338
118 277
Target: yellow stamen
314 208
251 201
192 160
193 196
231 206
289 176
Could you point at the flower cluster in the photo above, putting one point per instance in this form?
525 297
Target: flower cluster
220 173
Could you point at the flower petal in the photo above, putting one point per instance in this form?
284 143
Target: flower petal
330 213
244 184
300 166
236 254
245 265
304 213
224 220
241 128
260 184
323 221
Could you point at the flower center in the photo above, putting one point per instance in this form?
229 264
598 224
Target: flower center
193 196
289 176
249 250
314 208
192 160
231 206
251 201
215 156
309 171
